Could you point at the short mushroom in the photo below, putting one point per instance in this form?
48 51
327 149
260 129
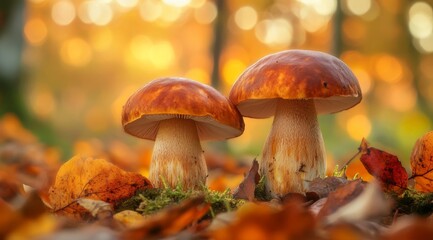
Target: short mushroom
177 113
294 86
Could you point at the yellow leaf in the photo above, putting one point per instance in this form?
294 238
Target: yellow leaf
85 177
129 218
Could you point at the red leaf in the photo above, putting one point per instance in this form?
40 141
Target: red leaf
386 168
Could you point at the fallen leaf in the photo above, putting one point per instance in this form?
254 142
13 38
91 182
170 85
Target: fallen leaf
340 197
354 230
34 228
129 218
98 209
10 186
262 221
89 232
321 187
26 218
9 218
85 177
169 221
30 164
386 168
409 228
248 185
370 203
421 162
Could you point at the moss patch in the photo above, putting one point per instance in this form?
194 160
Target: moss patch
149 201
412 202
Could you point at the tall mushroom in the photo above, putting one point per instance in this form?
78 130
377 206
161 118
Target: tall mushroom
294 86
177 113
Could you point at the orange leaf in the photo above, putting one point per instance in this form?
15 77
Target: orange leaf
386 168
261 221
169 221
421 162
85 177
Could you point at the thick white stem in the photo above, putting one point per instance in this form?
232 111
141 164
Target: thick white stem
294 152
177 155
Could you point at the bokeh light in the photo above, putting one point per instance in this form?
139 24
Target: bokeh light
127 3
74 48
76 52
421 20
358 127
389 69
357 7
206 13
246 17
150 10
63 12
177 3
275 32
95 12
35 31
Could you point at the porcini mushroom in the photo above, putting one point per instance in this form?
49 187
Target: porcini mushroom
294 86
177 113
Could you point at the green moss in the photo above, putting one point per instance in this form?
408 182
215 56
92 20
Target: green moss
260 191
412 202
149 201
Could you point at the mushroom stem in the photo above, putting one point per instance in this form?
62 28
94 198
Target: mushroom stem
177 155
294 152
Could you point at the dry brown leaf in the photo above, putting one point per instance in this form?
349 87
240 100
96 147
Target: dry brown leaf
340 197
321 187
170 220
85 177
98 209
248 185
370 204
31 164
421 162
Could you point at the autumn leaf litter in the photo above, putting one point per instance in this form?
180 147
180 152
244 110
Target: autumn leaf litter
90 196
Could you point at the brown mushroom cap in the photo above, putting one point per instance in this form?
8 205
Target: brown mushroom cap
173 97
295 74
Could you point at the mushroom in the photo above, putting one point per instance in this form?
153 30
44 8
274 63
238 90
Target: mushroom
294 86
177 113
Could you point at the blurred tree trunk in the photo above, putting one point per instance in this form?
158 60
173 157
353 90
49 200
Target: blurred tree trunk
11 45
219 35
337 38
11 72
